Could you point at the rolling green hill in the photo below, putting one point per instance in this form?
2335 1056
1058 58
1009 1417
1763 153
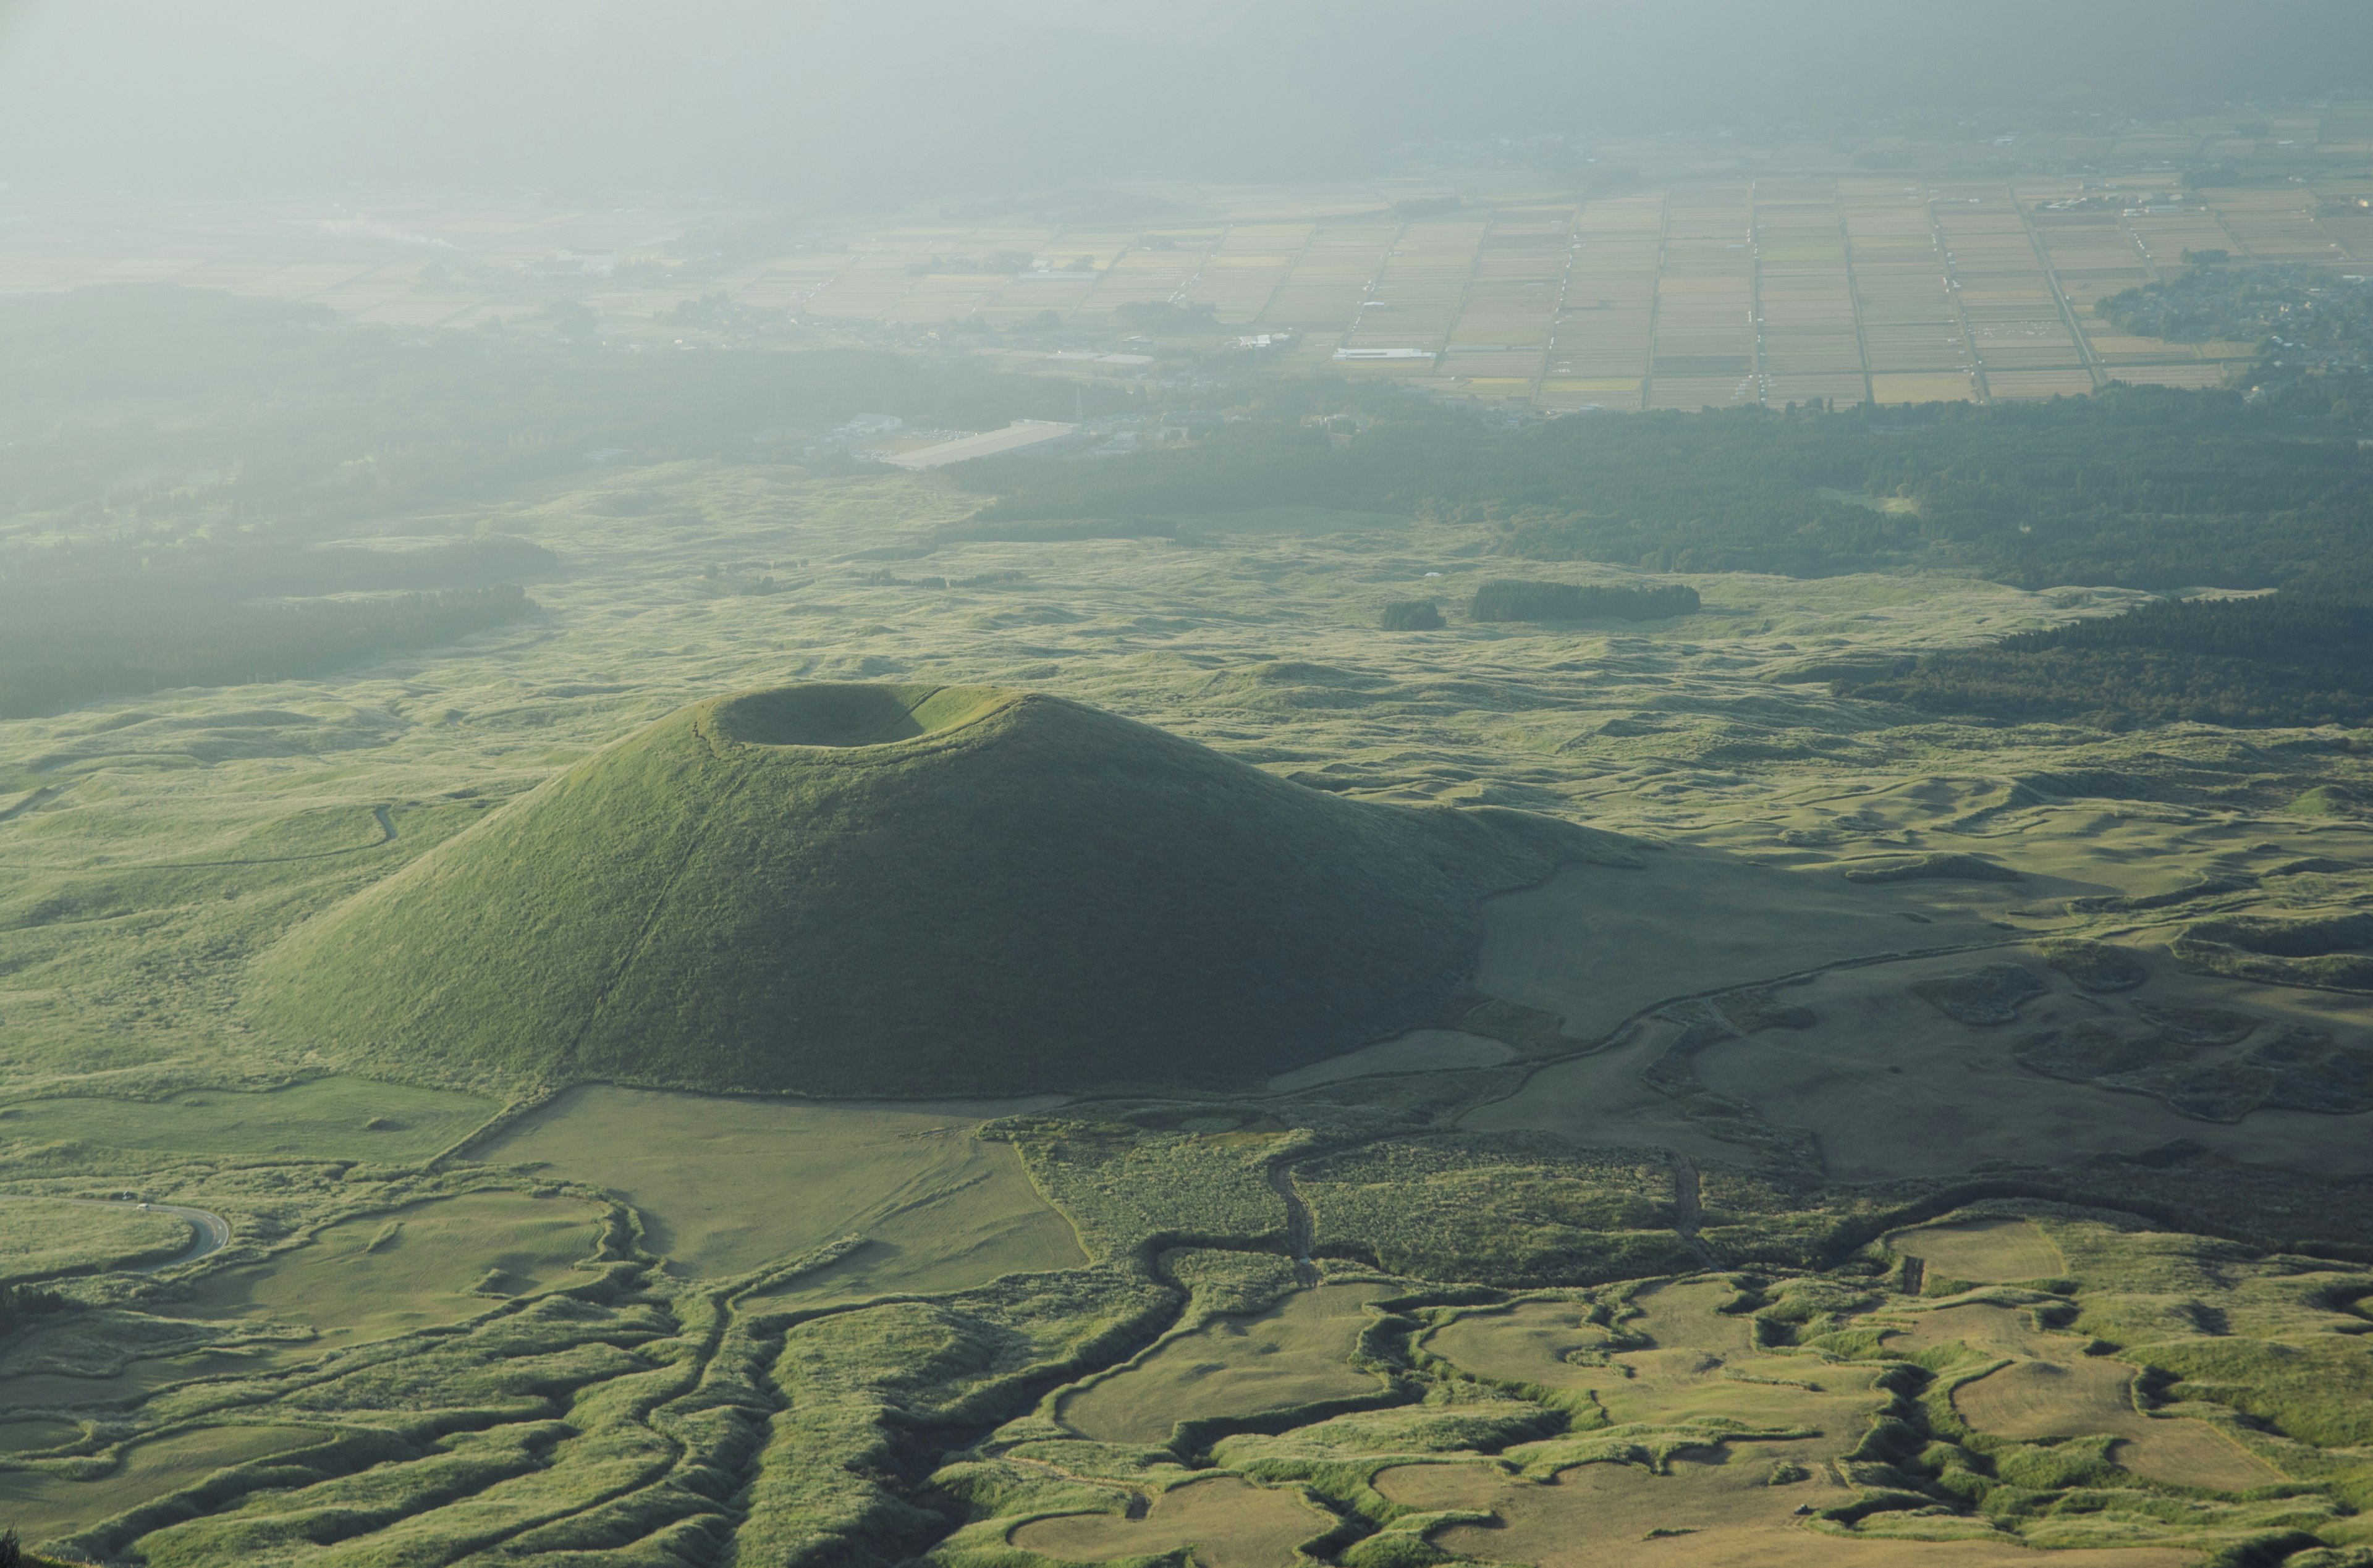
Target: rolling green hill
905 891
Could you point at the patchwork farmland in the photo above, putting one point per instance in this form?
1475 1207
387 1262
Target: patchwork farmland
1714 281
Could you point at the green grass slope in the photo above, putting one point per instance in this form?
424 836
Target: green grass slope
905 891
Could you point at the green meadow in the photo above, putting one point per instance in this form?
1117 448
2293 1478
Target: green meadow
1535 1092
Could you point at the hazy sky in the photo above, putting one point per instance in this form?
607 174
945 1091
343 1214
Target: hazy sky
817 103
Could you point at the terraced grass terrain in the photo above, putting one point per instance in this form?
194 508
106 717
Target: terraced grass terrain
48 1503
1223 1522
1296 1354
1699 1191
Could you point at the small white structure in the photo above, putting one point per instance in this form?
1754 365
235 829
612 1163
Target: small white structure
1384 354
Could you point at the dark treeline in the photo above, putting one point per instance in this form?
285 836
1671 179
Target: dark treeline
60 648
2288 658
235 568
2301 317
1511 599
2146 487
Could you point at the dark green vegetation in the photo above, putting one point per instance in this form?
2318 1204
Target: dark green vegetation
860 890
1410 615
2303 319
2287 659
1512 598
58 650
2333 951
2141 486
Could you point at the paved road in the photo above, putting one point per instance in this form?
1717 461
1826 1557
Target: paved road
211 1231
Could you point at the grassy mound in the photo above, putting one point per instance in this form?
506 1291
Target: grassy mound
908 891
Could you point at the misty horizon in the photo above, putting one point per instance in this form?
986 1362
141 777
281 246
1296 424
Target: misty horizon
840 108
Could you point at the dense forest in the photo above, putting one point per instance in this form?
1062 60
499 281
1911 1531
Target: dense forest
2301 317
57 649
2283 659
2148 487
1514 598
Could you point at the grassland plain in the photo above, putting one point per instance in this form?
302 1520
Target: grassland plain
40 1237
637 1414
728 1186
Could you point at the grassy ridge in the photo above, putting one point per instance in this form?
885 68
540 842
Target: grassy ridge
796 890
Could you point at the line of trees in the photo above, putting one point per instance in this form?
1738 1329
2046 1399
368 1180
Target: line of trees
2286 659
2141 486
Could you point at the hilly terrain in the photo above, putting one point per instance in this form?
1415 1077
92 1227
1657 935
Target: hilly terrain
851 890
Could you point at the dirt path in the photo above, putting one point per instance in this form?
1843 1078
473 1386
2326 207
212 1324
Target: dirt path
1300 1231
211 1232
1688 1210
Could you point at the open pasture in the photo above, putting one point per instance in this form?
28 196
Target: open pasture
1295 1354
1420 1050
332 1117
1223 1522
42 1505
1698 1362
1525 1343
1983 1252
2031 1399
1889 1084
367 1278
1596 945
1716 1509
725 1185
40 1237
381 1275
2049 1388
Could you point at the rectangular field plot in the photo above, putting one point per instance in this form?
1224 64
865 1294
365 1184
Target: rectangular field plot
1937 389
1570 392
2038 383
2166 374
